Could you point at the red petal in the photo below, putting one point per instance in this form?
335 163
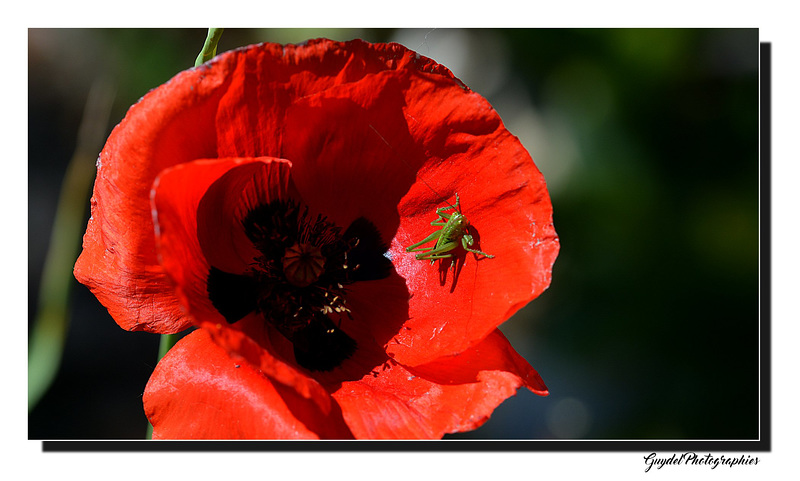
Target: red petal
381 307
493 354
345 168
266 79
216 191
170 125
455 394
251 339
505 198
198 391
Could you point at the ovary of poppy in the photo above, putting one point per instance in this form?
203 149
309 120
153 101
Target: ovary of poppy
267 198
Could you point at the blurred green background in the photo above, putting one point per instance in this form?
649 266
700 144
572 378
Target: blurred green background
648 139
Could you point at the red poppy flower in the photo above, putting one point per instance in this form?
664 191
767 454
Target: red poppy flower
268 197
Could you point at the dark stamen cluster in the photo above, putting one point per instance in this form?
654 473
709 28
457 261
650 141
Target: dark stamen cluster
301 278
298 283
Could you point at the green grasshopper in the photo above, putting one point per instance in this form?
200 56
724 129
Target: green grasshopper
454 231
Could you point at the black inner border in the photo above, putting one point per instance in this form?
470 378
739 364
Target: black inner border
763 444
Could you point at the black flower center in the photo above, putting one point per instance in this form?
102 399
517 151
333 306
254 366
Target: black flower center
298 283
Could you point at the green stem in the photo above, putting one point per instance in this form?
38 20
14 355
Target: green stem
167 341
49 330
210 47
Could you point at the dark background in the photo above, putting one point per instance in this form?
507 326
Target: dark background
649 142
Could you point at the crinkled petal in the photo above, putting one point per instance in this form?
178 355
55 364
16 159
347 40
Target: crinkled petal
264 80
170 125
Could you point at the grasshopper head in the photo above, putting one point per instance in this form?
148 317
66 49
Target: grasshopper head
459 220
